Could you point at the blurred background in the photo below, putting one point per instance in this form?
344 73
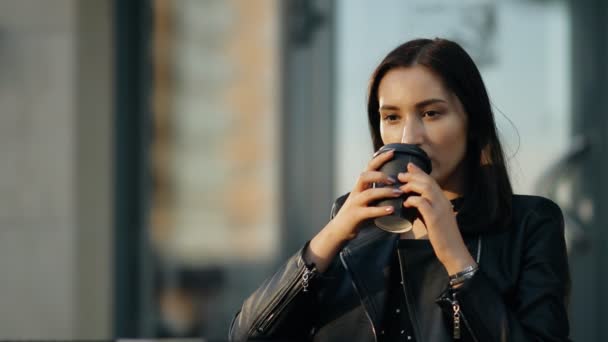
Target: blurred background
160 158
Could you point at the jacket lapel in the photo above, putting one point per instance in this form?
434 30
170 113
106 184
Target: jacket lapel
367 258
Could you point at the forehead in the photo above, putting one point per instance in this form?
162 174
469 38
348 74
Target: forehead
407 86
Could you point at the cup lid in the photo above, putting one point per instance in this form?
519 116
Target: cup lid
409 149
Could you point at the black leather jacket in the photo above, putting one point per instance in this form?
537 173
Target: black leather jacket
519 293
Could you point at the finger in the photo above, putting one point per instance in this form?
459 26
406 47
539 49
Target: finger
411 167
423 188
422 204
366 178
370 195
380 159
405 177
373 212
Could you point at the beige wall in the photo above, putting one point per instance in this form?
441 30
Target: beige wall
55 185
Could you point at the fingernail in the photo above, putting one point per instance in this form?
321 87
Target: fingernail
397 191
402 174
391 180
388 209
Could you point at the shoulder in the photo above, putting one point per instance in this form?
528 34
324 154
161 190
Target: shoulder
536 213
542 239
524 205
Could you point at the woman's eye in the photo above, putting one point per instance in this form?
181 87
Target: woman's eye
430 114
391 117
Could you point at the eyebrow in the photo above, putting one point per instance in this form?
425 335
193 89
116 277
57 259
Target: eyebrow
418 105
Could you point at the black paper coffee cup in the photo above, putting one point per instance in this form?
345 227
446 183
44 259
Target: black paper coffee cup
402 219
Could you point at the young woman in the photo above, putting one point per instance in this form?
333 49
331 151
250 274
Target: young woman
481 264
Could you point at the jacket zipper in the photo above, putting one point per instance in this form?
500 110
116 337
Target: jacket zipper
277 305
457 315
307 276
369 318
407 301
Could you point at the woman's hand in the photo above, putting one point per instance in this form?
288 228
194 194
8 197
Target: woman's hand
356 208
438 218
345 225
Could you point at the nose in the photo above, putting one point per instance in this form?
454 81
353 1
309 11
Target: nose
413 132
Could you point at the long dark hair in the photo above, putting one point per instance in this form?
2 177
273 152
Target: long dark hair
487 198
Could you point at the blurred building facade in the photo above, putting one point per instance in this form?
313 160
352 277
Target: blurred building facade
163 157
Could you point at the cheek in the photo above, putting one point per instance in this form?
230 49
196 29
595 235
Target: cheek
457 140
450 142
389 134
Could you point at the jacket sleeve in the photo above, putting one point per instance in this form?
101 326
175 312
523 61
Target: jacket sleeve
280 309
539 312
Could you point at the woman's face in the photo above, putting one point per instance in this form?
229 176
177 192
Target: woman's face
416 108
